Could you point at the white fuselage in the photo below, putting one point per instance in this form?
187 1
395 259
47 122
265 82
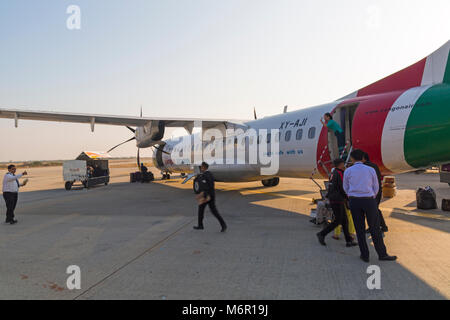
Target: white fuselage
297 154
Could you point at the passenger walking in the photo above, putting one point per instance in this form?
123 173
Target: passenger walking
208 197
337 197
361 186
367 162
11 192
336 128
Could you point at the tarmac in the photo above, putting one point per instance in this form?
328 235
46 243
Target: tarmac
135 241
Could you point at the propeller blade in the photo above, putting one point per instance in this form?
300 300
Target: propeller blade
159 148
131 129
141 111
254 113
121 144
138 160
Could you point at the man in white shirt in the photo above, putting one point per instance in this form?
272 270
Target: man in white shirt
361 186
11 192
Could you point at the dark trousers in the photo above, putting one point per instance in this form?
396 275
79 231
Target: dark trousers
214 211
11 202
340 218
361 209
382 222
341 140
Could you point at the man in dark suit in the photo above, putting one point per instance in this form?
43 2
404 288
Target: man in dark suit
206 181
367 162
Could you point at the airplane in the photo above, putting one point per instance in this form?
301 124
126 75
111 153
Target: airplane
401 121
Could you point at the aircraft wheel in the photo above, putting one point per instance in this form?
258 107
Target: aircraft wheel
68 185
266 183
275 182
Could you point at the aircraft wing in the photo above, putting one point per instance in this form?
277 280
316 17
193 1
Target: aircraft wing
92 119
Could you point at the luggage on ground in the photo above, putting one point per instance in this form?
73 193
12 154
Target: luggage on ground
426 198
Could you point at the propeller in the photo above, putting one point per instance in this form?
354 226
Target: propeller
138 159
160 149
131 139
138 150
254 114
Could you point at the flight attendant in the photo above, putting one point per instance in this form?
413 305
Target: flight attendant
336 128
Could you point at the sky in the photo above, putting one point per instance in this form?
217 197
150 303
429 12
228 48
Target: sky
194 58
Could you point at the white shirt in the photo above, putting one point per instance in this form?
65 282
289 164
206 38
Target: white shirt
361 181
11 182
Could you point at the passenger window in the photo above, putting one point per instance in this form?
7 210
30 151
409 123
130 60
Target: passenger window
299 134
312 132
287 135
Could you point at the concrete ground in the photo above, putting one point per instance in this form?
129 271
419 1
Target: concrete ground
135 241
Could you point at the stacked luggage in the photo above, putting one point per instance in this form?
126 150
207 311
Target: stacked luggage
389 187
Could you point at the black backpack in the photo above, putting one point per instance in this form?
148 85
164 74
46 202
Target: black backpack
426 198
200 184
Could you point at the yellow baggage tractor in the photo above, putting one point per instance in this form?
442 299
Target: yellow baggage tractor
89 169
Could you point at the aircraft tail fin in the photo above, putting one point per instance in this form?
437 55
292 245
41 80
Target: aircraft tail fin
433 69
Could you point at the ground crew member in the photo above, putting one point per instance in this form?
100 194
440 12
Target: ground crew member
206 181
11 192
337 197
361 186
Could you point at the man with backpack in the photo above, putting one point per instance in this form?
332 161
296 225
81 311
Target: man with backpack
337 198
208 197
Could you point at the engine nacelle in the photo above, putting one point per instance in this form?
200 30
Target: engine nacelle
150 134
162 159
158 157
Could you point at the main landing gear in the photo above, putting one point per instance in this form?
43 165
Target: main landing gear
271 182
165 176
